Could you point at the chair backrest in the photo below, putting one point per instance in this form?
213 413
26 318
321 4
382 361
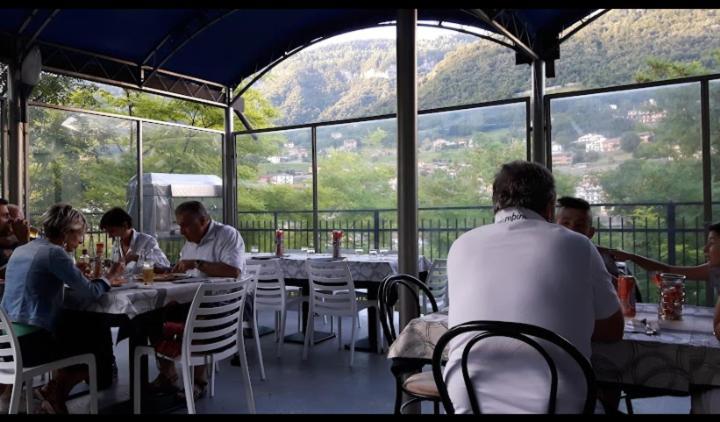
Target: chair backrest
332 290
388 295
521 332
270 284
213 323
10 356
437 281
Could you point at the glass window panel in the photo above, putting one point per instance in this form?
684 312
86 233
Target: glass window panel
636 45
459 153
275 188
179 164
637 160
357 184
81 159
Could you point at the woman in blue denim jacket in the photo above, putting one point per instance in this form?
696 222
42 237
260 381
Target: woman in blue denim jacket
33 298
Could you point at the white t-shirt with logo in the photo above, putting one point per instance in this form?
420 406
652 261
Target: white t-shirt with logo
524 269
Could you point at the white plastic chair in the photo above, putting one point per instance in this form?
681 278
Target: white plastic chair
437 282
12 371
332 293
217 336
271 294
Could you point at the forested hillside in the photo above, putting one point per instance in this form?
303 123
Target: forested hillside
358 78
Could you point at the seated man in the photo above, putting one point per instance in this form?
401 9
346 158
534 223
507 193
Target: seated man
119 224
524 268
14 231
211 249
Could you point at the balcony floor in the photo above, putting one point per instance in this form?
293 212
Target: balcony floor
323 384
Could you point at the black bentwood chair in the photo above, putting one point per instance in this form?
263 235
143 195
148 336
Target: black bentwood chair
419 386
518 331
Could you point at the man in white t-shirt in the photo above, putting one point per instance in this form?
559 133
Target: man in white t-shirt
524 268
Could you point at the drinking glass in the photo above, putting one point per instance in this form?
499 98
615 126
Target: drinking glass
358 251
311 251
254 249
373 253
383 252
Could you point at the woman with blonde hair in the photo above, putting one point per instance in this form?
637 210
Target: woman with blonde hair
33 299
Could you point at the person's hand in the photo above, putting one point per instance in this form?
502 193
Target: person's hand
130 257
716 331
116 271
618 255
183 265
161 270
21 229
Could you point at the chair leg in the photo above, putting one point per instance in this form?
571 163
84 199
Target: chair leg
137 383
211 368
436 407
281 332
352 339
259 350
187 376
15 396
308 333
628 405
92 384
245 373
398 395
339 336
28 395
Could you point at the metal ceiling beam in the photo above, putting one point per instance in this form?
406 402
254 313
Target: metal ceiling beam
27 21
37 33
524 47
583 23
183 38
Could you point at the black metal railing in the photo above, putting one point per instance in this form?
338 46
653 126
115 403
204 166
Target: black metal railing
670 232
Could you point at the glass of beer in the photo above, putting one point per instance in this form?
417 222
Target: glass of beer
148 273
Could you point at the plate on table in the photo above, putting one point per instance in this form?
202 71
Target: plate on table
166 277
263 256
124 286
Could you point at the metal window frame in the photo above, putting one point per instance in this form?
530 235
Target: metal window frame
313 138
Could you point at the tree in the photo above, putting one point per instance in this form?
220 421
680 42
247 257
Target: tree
629 141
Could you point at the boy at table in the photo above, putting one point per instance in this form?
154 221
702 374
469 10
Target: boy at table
702 400
211 249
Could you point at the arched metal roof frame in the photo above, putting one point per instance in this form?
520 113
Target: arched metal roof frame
262 72
534 32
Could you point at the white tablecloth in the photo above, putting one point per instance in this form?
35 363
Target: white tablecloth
362 267
141 298
684 352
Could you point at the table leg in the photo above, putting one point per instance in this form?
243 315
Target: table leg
299 337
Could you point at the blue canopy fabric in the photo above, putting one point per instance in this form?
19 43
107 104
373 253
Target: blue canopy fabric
226 46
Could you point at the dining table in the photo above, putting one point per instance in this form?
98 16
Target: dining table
131 306
664 354
368 272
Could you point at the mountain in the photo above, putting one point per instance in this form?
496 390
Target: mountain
355 79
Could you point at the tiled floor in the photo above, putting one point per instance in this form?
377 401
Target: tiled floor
325 383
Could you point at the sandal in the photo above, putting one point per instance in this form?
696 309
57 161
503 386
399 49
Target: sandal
51 403
199 391
163 385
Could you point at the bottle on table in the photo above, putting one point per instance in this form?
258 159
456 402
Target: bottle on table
83 262
99 253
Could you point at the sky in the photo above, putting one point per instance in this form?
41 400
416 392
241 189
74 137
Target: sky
383 32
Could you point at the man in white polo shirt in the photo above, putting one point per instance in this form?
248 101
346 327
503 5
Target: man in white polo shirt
211 249
526 269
